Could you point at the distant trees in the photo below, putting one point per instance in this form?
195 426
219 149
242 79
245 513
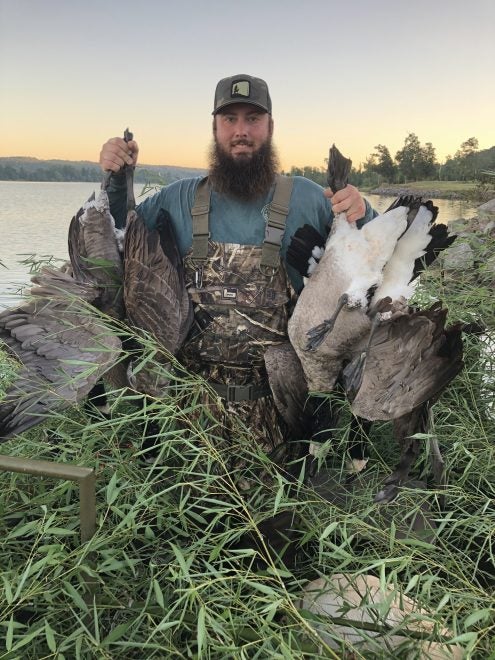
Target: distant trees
414 162
32 169
13 170
317 174
383 164
467 163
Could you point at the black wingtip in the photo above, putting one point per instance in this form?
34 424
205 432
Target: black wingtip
440 240
413 202
301 248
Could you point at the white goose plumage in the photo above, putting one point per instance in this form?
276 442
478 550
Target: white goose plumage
352 322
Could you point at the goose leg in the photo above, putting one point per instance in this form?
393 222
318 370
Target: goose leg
353 372
404 428
317 334
438 466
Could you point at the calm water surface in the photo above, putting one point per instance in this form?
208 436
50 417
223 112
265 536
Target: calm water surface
35 216
34 219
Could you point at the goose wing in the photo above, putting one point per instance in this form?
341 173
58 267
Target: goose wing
411 359
94 253
63 345
288 386
414 250
155 295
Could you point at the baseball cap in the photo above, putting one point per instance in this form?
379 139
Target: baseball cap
242 89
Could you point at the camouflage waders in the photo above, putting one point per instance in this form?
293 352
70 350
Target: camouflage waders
241 297
242 300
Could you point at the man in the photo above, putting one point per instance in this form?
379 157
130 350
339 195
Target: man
240 286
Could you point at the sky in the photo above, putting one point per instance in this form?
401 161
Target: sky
355 73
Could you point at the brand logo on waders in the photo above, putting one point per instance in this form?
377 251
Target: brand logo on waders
229 293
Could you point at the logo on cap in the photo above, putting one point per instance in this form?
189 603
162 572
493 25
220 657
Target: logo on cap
240 88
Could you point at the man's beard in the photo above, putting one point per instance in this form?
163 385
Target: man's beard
244 178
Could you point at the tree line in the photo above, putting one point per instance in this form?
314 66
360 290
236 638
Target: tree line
32 169
49 172
414 162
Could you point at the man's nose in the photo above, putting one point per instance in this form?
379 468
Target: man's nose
241 128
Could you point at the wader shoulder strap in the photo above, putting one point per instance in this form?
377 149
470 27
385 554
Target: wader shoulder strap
200 213
275 226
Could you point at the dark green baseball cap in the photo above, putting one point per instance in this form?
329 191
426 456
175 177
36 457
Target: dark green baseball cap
242 89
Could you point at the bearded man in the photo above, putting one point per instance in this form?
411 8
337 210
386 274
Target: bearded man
233 229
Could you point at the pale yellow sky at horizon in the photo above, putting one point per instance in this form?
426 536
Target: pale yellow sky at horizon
359 75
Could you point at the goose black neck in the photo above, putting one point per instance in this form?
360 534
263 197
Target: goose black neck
129 177
339 168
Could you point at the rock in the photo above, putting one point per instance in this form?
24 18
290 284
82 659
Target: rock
458 257
490 228
484 224
460 226
487 208
365 599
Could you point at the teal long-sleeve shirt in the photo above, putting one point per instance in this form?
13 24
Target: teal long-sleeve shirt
232 220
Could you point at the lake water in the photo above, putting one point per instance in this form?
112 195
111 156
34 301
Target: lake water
34 220
35 216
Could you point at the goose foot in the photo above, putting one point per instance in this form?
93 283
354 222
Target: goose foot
353 375
391 486
387 494
317 334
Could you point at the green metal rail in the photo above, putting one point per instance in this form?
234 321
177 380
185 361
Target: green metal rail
85 477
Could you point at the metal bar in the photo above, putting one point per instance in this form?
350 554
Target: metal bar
85 477
43 468
87 498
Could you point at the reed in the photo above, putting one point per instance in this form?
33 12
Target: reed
173 577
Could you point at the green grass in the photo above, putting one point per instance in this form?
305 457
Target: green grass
473 191
442 186
172 580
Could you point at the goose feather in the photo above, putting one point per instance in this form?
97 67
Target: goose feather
63 335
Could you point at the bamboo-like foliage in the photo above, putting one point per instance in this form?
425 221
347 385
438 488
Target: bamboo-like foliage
175 575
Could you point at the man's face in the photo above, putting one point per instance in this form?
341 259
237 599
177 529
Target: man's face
241 129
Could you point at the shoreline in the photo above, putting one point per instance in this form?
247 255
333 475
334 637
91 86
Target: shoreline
453 191
398 191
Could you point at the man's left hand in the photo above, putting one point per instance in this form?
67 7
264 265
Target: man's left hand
348 201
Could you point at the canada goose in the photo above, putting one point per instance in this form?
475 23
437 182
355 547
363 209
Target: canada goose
64 347
63 335
155 294
352 321
358 268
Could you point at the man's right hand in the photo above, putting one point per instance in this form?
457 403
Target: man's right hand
116 153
